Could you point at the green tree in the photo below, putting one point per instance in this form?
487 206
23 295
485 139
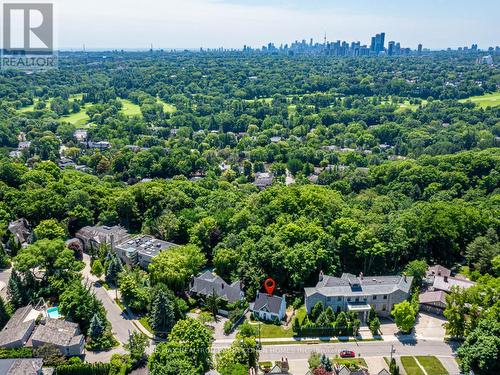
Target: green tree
212 302
162 313
404 316
480 351
171 358
97 268
136 346
96 328
417 269
196 340
175 267
4 313
49 229
114 268
316 311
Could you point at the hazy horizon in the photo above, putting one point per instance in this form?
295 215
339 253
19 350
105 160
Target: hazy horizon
191 24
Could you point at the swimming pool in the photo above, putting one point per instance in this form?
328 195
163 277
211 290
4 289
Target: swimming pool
53 312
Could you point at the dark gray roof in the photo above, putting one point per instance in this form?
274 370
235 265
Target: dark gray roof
58 332
207 283
350 285
17 326
268 302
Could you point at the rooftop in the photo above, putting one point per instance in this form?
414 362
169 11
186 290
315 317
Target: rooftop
23 366
351 285
58 332
146 245
438 270
17 326
268 302
208 283
445 283
432 297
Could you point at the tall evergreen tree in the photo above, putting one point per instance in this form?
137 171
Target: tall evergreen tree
96 328
4 314
326 363
162 313
16 291
114 268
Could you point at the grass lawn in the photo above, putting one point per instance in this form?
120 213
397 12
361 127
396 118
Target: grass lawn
79 119
270 331
167 108
358 362
432 365
411 366
130 109
483 101
145 323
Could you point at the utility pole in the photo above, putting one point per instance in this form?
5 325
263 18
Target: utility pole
260 339
392 351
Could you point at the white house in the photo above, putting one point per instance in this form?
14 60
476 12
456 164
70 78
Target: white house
269 307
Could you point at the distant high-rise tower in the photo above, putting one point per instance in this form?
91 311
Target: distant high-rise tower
419 48
390 49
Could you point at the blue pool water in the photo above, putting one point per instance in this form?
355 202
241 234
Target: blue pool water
53 312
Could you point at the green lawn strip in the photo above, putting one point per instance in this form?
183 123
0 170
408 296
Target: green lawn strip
145 323
271 331
432 365
120 304
411 366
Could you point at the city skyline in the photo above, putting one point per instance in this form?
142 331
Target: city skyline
191 24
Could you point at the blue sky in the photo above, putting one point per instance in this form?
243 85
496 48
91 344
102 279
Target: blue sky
232 23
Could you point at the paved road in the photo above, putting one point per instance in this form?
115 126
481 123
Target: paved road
121 324
363 349
4 280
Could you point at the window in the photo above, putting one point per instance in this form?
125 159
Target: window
383 307
338 309
357 299
385 296
374 298
348 299
339 298
328 299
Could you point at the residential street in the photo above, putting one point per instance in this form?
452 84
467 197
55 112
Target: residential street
121 324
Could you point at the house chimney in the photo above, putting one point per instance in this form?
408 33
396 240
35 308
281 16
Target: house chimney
321 274
404 276
361 275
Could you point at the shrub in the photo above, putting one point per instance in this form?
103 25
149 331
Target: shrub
84 369
16 353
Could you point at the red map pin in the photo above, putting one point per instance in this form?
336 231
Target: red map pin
269 285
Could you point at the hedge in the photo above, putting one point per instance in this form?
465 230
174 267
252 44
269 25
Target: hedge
84 369
16 353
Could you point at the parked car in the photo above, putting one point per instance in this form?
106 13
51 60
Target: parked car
347 354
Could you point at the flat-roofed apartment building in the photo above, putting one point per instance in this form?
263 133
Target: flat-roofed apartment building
140 250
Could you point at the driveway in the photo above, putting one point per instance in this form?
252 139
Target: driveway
430 326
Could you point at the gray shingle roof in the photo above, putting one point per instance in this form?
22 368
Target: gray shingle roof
350 285
57 332
271 303
17 326
432 297
207 283
21 366
446 283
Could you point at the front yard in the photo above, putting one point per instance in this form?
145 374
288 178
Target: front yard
431 365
